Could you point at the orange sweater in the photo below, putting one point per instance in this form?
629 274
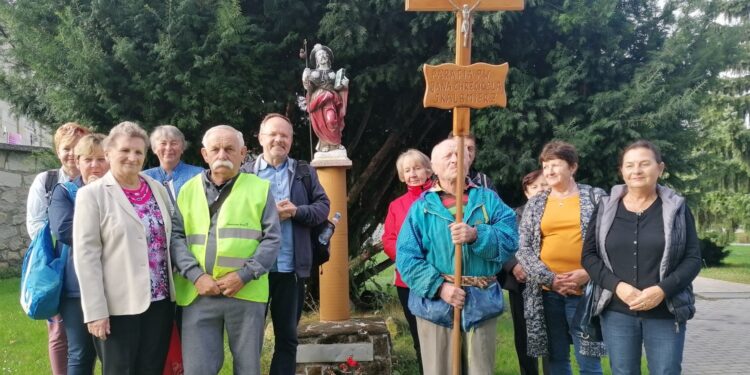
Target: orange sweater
561 234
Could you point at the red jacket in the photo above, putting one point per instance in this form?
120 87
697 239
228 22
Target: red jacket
397 211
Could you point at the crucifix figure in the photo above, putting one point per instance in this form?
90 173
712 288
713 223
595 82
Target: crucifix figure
461 87
467 19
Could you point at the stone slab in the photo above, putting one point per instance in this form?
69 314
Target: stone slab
364 327
312 353
319 162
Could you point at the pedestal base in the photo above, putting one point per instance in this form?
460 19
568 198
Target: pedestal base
324 345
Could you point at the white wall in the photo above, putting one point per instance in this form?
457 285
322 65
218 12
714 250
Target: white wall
32 132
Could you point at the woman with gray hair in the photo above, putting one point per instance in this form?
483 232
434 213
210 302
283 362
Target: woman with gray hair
414 170
121 231
168 143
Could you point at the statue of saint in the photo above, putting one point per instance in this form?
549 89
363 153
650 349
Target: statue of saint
327 93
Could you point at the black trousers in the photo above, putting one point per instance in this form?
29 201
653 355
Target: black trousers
137 344
285 298
403 297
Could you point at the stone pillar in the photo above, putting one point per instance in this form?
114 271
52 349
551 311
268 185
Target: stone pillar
334 281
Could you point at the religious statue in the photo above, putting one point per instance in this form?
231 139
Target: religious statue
327 93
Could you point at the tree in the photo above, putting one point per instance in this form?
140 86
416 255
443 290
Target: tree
720 187
599 73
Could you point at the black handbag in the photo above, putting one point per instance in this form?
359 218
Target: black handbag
585 324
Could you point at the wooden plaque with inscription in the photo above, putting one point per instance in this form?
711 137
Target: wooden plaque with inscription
474 86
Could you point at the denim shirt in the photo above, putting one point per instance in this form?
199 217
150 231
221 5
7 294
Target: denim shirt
180 175
313 207
279 178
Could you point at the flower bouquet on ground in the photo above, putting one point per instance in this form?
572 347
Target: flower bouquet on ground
350 367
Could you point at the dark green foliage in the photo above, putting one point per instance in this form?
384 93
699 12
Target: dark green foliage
713 249
598 73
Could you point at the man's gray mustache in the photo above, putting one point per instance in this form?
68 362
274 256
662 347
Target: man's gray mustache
222 163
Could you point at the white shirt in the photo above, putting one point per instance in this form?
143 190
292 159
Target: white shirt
37 203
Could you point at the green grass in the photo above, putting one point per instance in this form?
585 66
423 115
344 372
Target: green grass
736 266
23 342
404 358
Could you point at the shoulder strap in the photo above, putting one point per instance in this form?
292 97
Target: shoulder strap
50 181
72 189
303 170
593 197
216 205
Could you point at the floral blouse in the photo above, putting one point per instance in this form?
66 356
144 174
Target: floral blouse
145 205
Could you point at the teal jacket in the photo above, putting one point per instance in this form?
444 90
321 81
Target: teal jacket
425 250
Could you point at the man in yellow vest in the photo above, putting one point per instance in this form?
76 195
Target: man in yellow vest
225 238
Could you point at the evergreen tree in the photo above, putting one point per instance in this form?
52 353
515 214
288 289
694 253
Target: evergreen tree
598 73
721 184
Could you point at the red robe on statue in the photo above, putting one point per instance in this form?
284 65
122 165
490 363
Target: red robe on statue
327 110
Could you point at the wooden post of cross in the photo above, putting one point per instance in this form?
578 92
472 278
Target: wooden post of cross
462 86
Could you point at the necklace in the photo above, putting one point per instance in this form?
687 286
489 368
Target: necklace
632 205
139 195
562 196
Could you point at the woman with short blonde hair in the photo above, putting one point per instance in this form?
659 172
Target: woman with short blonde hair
92 164
64 141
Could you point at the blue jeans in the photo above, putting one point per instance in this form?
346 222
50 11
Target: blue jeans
81 353
558 315
626 335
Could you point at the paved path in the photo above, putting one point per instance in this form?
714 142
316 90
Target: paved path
718 337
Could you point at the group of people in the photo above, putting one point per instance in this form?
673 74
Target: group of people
214 249
218 249
636 245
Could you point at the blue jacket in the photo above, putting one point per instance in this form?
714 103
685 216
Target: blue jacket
180 175
60 211
425 252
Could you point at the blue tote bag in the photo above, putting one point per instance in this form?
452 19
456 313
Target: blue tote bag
43 272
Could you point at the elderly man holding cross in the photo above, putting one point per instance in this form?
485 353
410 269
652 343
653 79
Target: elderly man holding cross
426 260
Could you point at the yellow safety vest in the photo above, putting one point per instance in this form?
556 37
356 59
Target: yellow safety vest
238 233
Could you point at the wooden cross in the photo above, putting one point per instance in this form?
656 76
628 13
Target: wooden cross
462 87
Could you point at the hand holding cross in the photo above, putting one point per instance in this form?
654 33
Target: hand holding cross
464 10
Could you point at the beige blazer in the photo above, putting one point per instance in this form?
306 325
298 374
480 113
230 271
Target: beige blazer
111 255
